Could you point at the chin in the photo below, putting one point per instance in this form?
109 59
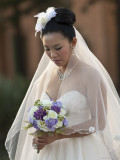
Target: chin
59 65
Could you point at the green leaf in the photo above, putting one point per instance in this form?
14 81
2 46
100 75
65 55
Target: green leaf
28 125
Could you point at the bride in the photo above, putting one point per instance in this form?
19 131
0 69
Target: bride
69 72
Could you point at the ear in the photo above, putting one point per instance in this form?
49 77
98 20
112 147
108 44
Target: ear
74 41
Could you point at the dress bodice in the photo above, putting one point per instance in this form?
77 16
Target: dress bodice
76 104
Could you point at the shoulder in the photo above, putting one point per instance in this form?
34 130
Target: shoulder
90 72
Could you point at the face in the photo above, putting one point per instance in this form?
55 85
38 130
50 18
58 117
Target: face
58 48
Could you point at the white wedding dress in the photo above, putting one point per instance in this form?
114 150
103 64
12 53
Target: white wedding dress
79 148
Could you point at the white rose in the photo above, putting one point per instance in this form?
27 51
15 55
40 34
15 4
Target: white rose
32 110
46 103
52 114
42 126
45 117
62 112
59 124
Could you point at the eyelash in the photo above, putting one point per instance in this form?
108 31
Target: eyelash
56 49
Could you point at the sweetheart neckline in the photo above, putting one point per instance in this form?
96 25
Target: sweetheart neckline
66 94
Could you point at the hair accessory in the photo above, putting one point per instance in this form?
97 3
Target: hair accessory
44 18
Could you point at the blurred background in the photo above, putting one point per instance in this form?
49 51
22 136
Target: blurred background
20 52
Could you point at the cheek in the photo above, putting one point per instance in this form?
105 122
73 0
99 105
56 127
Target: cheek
65 52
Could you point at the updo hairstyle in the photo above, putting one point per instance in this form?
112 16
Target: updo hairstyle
62 23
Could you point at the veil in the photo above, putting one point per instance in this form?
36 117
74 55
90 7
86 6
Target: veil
92 81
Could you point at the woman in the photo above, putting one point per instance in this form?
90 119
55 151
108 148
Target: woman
70 73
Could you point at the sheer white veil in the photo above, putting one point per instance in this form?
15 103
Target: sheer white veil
89 78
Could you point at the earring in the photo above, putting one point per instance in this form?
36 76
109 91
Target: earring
73 52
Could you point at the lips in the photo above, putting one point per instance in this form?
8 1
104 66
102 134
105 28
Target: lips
55 60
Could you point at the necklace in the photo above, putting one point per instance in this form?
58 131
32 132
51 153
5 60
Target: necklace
62 76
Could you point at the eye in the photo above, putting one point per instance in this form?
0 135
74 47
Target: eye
46 49
58 48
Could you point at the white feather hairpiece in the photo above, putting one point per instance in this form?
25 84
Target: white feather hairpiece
44 18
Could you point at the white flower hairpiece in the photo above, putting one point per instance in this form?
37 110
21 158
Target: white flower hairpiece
44 18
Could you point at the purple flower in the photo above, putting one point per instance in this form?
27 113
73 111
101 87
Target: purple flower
52 129
55 121
29 109
56 106
30 120
50 123
57 103
39 114
35 124
40 107
65 122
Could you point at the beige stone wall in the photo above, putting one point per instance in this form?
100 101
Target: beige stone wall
98 26
6 52
34 50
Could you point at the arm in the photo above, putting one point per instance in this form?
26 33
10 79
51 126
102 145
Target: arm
72 135
45 140
97 100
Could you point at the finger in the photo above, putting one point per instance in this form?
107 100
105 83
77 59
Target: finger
35 141
42 137
38 139
41 140
41 146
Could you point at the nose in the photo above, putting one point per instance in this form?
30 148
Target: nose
53 54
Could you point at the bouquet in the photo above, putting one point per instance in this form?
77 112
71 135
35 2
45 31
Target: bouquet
46 116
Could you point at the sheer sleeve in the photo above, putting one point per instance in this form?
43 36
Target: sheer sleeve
96 94
97 98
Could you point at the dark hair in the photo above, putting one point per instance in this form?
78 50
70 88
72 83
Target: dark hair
62 22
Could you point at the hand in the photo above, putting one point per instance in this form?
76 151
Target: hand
44 140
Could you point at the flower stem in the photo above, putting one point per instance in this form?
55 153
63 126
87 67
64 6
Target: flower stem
38 151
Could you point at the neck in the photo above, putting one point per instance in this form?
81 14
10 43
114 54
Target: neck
72 62
62 69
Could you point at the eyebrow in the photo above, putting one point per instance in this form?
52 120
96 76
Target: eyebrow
54 45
